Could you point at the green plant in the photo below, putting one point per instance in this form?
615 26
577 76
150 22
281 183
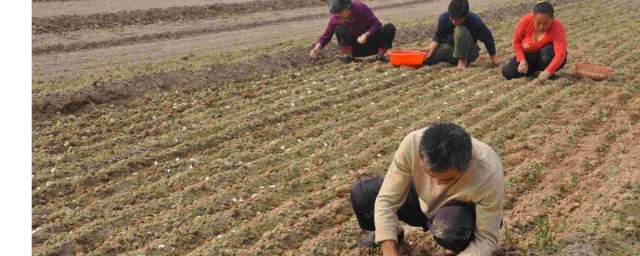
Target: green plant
544 238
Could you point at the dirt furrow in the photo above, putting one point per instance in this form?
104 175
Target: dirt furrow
65 23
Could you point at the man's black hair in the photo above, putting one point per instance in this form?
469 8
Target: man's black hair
543 7
446 145
459 9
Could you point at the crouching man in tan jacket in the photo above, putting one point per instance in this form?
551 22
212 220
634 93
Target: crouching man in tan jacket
442 180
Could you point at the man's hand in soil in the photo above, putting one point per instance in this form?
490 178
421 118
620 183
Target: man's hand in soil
523 67
363 38
389 248
494 60
315 51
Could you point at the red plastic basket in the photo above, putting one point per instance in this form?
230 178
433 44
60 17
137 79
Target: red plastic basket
406 58
591 71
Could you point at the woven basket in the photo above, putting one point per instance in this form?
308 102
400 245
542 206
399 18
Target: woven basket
595 72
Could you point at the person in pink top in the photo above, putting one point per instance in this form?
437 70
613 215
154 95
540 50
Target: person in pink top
540 44
358 31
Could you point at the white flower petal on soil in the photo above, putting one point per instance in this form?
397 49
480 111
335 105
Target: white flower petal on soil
190 166
207 178
326 145
219 236
272 186
234 199
178 159
155 163
261 187
254 195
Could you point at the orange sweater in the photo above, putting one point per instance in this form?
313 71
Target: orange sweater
523 41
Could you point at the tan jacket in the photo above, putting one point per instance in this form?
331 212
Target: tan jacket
482 183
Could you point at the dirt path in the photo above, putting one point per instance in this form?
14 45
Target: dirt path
56 65
58 8
65 23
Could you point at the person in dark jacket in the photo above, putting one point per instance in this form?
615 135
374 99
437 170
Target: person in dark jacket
358 31
455 40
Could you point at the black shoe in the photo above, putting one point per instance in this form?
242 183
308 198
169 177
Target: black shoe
348 59
383 59
370 240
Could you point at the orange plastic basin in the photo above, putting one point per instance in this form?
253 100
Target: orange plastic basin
406 58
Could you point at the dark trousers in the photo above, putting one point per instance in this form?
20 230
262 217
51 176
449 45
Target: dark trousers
463 47
383 38
363 198
538 61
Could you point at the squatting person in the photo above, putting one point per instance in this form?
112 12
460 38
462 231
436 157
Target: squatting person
456 37
540 44
358 31
442 180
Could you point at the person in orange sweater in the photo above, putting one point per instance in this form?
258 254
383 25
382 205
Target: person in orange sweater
540 44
